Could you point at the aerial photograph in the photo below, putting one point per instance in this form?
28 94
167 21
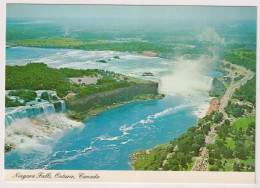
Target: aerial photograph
135 88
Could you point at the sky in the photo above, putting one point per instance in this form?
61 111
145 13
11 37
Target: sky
131 12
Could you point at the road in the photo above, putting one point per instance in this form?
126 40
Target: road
230 90
201 163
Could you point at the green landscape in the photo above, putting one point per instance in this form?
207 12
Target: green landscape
109 91
225 154
59 80
232 147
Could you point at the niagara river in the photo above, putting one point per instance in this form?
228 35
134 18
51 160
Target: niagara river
104 141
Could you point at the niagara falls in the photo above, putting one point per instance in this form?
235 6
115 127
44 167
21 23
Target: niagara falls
97 91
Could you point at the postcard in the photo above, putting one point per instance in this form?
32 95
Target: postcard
129 93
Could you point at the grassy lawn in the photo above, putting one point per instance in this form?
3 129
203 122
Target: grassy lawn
243 122
229 142
240 70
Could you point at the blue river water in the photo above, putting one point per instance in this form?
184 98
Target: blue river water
106 140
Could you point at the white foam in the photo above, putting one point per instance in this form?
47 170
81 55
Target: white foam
63 158
166 111
129 140
124 128
81 59
202 110
31 134
102 137
111 145
150 119
87 148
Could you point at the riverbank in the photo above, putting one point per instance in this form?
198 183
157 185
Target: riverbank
163 154
83 106
27 132
73 45
194 146
166 152
213 106
80 116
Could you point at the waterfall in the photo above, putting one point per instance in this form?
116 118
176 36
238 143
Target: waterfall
63 105
21 112
23 131
33 108
60 106
187 78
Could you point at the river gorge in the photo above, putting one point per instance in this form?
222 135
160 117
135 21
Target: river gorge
104 141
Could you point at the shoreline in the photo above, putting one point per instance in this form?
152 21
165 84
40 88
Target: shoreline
100 110
208 110
201 110
149 54
41 128
214 105
69 48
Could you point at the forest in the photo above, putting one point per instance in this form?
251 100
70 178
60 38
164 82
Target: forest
234 149
183 148
247 92
38 76
217 89
235 142
246 58
25 95
242 56
123 40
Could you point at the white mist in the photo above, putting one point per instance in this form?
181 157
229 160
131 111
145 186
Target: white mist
187 78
